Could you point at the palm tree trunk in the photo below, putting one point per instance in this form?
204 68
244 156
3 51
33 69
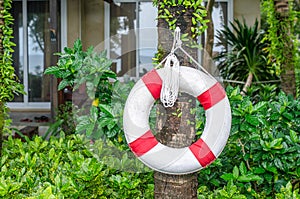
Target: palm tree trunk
288 77
176 131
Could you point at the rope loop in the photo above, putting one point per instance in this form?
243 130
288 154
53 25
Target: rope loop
170 86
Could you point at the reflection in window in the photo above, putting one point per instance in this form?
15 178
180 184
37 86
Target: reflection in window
133 40
30 73
18 62
38 41
220 18
147 36
123 41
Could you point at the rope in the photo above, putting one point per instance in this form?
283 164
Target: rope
170 87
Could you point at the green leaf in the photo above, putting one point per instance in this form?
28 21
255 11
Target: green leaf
294 136
235 172
259 170
276 143
259 106
278 163
194 21
227 176
53 70
167 11
275 116
106 109
272 169
253 120
243 168
63 84
288 116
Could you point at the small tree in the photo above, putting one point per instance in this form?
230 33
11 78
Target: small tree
9 85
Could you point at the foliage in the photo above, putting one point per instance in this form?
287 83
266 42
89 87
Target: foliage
189 15
64 120
9 85
77 67
171 15
263 92
288 192
105 119
243 52
67 168
263 151
69 63
280 45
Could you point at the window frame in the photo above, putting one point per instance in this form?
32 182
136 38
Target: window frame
36 106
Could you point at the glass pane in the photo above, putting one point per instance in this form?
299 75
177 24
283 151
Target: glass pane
220 18
18 40
123 37
38 46
147 36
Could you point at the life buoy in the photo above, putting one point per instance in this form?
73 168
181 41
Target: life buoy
185 160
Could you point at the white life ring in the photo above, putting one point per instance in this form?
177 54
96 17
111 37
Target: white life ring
177 160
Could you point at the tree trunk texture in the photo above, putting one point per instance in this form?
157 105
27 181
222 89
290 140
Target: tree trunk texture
288 77
209 43
174 130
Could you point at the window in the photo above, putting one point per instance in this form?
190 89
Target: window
31 56
132 36
222 14
131 30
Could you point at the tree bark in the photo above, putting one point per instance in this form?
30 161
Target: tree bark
288 77
209 43
172 129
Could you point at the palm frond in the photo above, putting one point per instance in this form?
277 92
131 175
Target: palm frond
243 52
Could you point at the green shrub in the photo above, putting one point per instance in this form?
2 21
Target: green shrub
69 168
263 151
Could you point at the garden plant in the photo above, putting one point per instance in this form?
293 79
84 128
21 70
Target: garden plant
261 160
91 159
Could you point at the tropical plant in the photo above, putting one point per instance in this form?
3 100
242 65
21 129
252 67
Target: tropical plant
243 57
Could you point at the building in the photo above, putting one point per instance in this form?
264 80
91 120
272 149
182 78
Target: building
122 27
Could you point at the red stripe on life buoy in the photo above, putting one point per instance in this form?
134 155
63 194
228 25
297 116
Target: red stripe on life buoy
143 144
153 82
212 96
202 153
